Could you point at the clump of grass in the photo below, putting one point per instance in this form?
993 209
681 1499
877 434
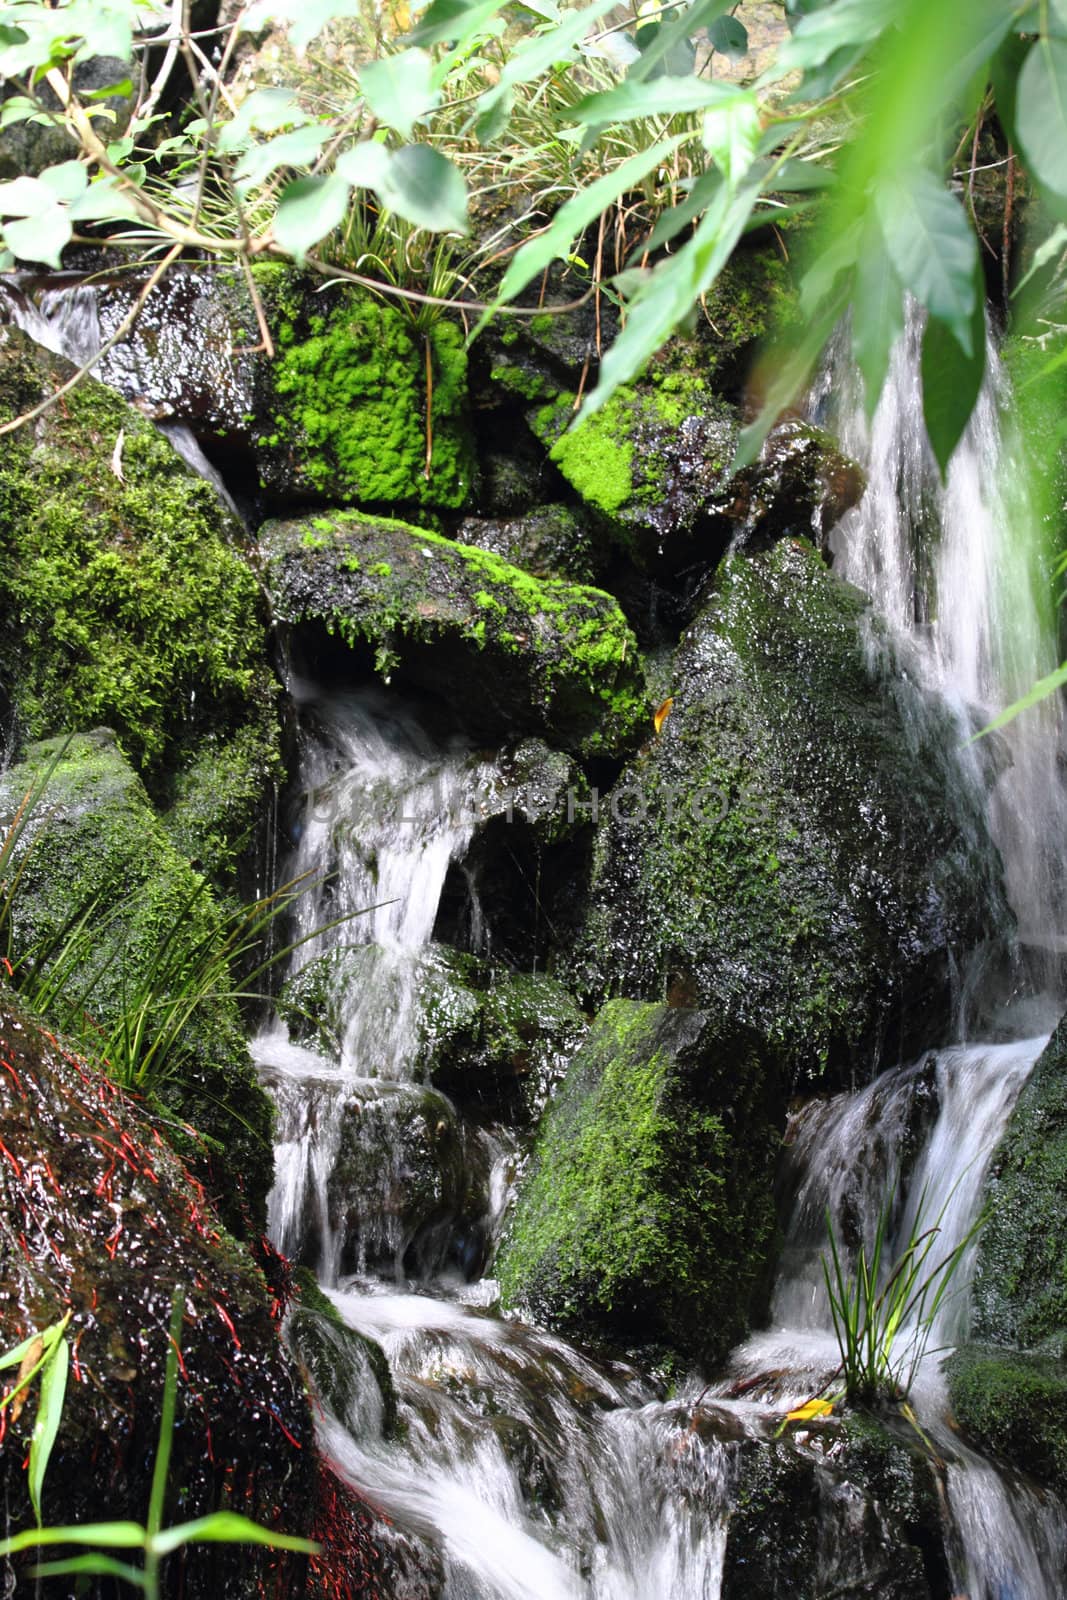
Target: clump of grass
884 1312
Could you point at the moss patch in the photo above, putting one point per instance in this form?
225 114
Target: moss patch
785 849
545 655
1014 1406
1020 1284
123 599
349 402
647 1217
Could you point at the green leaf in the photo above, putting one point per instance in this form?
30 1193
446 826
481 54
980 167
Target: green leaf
952 381
25 197
112 1535
18 109
729 37
422 186
299 148
53 1391
399 89
67 180
676 62
308 210
792 371
306 18
672 289
1040 691
1045 252
699 15
848 25
731 135
671 222
839 254
454 21
40 238
663 97
228 1527
577 213
365 165
877 315
104 201
94 1563
543 50
932 247
264 111
1041 113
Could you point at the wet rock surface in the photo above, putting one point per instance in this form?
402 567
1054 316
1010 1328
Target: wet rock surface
647 1217
791 848
102 1220
510 653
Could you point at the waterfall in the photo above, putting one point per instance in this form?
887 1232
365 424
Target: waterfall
956 571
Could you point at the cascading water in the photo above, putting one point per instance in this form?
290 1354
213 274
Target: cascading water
532 1472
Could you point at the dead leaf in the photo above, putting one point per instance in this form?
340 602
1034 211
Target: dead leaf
26 1366
662 712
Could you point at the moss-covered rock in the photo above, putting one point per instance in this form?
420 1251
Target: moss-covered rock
347 1368
124 600
94 847
101 1220
218 800
848 1508
350 418
509 652
1020 1282
1014 1406
647 1216
796 847
654 466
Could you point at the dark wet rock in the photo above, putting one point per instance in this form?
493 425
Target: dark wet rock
549 542
348 1370
101 1218
1020 1283
410 1187
219 800
654 467
848 1508
647 1217
797 848
509 653
124 596
1014 1406
95 848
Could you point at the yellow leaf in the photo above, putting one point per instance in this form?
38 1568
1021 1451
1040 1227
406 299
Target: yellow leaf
810 1408
662 712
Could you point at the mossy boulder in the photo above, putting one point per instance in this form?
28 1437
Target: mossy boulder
409 1190
552 541
1014 1406
348 1369
103 1221
797 847
94 847
847 1507
647 1217
218 799
124 599
510 653
1020 1281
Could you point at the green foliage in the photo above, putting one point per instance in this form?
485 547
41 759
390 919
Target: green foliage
1014 1406
44 1355
884 1312
154 1540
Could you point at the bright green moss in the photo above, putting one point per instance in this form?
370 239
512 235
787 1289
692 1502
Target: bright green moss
566 647
125 603
647 1215
1014 1406
352 406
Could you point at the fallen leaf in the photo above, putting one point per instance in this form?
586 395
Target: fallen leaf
662 712
810 1408
116 456
29 1361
